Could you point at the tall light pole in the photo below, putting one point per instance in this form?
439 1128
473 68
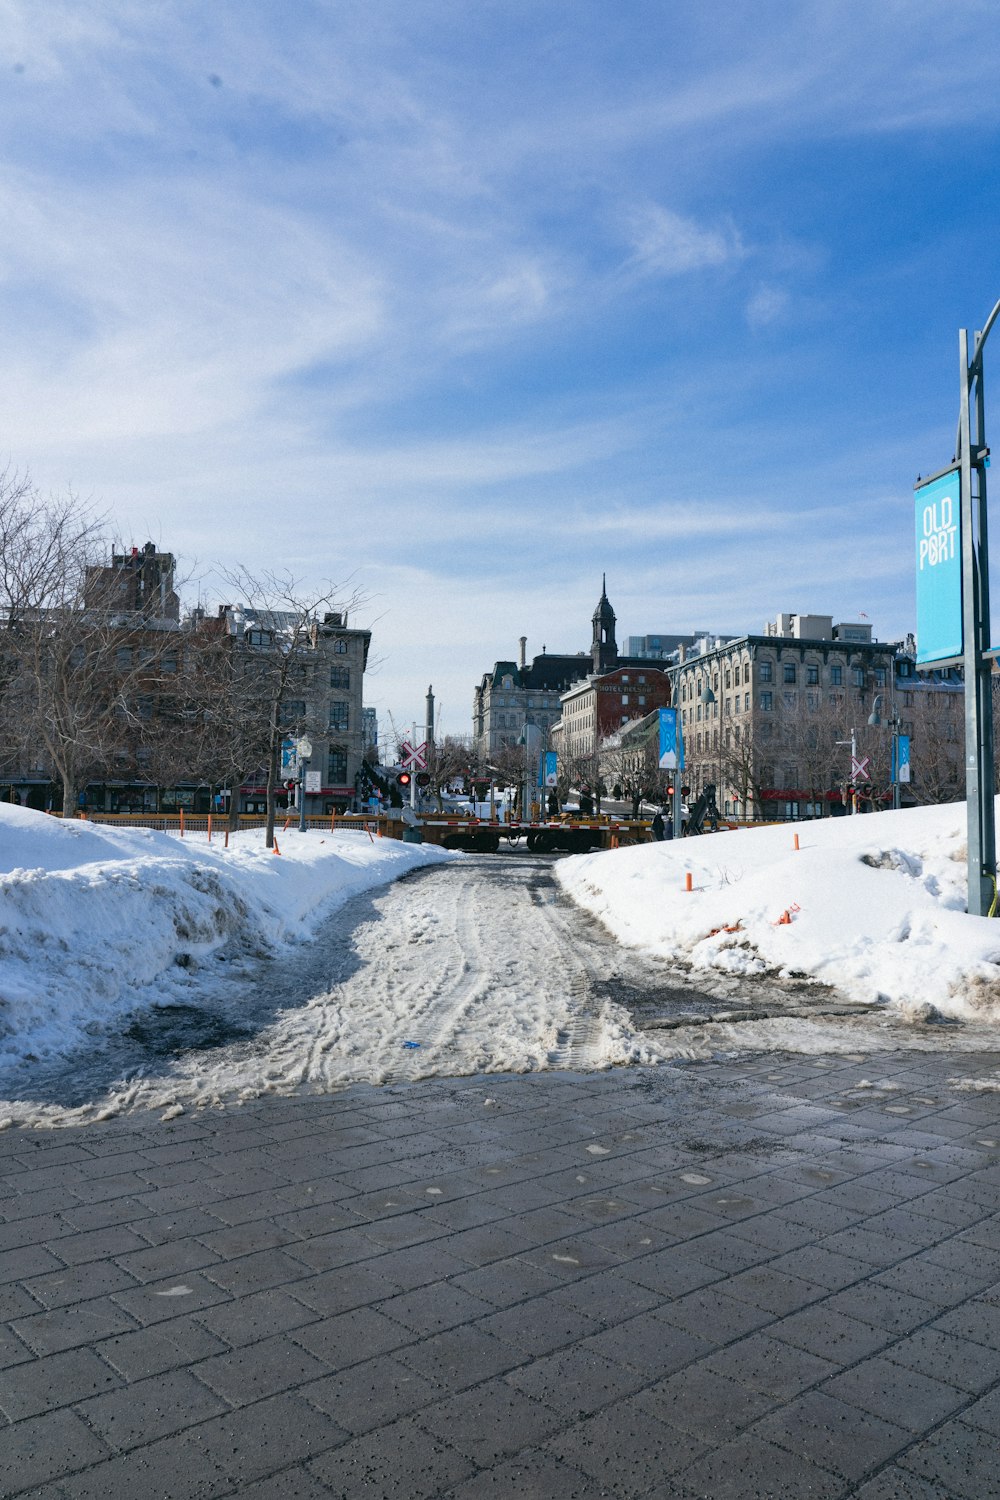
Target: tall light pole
973 454
875 719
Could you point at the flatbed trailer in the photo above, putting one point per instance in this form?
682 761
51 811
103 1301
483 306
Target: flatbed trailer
567 835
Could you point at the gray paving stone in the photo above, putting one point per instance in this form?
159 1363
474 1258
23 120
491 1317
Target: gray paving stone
163 1347
533 1475
35 1451
433 1308
489 1422
174 1297
897 1394
371 1394
765 1364
400 1459
461 1357
959 1362
150 1409
352 1337
750 1466
264 1368
340 1290
959 1458
834 1434
57 1380
73 1326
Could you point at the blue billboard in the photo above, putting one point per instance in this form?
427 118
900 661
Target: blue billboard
671 740
939 569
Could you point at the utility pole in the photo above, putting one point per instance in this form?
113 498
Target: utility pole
973 458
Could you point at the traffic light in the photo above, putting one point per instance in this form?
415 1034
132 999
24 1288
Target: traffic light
289 786
423 778
404 778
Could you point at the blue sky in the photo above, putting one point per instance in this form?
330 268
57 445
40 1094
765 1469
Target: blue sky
464 306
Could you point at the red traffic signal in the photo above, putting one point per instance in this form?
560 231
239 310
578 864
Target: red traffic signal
289 786
404 778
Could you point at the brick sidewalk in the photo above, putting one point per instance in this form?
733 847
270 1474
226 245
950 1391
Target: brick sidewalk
724 1280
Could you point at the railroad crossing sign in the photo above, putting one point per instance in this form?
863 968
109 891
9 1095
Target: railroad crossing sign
859 767
413 758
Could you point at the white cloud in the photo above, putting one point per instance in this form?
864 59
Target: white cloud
767 305
665 243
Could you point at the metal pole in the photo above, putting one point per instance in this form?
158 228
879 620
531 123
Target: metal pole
413 772
980 893
302 795
895 761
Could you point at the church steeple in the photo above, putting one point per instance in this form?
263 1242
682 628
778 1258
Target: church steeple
604 648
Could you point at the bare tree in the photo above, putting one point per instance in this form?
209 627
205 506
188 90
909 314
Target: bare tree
77 663
261 677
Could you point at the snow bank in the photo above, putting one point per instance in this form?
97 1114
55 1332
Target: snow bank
90 915
874 905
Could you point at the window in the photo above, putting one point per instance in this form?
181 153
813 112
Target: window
880 676
788 699
858 676
789 672
767 702
123 658
642 699
291 712
729 676
765 671
836 676
624 695
340 647
257 637
812 700
746 703
340 677
144 706
336 767
339 716
812 676
746 671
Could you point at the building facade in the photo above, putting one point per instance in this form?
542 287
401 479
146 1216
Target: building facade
515 693
774 720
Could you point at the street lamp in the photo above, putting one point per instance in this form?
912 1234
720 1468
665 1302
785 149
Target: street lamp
304 751
875 720
707 697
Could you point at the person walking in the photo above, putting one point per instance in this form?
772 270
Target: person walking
658 826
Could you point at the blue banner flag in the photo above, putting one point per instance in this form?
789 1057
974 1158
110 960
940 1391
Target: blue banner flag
939 569
671 740
901 772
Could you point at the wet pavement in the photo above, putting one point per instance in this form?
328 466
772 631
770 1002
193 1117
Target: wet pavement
769 1277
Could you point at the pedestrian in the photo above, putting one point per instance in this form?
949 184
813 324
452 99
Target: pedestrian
658 827
586 803
553 803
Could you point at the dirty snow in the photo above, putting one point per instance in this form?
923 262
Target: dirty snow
872 905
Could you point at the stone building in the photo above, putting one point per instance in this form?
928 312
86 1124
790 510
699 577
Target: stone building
769 719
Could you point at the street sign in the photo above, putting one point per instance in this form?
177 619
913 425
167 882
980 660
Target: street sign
939 568
859 767
413 757
314 781
671 741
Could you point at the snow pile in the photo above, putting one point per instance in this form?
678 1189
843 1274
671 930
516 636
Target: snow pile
91 916
872 905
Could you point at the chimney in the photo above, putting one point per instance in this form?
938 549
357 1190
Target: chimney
524 642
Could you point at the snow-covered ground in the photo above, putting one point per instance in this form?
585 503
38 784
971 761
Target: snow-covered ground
872 905
97 920
137 969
